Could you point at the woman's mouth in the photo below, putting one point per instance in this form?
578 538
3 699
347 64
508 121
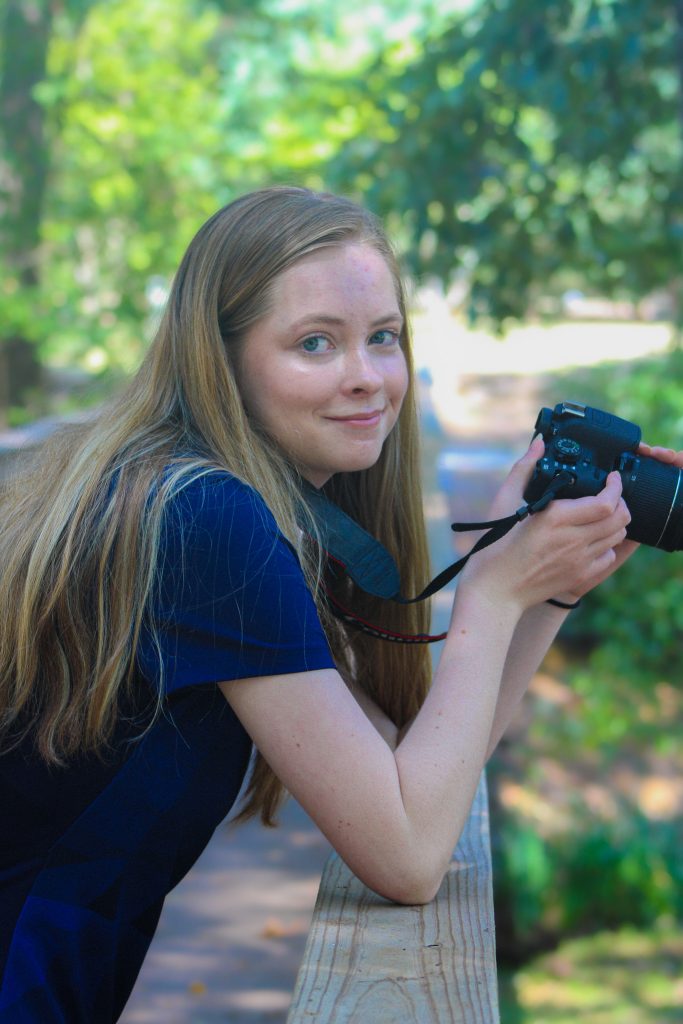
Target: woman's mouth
359 419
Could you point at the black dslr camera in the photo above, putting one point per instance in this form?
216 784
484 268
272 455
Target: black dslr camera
585 445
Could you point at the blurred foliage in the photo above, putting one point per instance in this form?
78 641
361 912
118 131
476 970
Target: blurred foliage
601 875
133 122
623 667
616 977
147 117
536 147
518 148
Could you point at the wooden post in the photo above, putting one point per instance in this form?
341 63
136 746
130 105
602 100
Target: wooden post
369 961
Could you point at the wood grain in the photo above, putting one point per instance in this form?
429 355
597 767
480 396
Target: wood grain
369 961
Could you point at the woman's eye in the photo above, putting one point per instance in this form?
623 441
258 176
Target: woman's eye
316 343
385 337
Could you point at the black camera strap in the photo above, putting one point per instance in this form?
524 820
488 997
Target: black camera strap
352 550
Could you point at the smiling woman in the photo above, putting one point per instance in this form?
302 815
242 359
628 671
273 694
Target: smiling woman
162 589
323 371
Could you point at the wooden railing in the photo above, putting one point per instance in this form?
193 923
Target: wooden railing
369 961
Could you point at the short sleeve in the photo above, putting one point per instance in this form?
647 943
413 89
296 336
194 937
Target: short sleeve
231 600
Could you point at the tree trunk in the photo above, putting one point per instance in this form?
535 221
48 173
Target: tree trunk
23 173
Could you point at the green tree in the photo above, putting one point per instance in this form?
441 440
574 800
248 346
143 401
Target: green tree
135 118
112 147
151 115
528 148
537 147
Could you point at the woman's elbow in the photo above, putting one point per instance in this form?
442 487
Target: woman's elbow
414 887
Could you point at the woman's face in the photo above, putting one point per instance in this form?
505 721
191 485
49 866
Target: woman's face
323 371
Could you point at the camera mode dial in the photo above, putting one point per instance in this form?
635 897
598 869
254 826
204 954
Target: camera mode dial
566 449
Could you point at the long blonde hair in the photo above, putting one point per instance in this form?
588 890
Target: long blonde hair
80 522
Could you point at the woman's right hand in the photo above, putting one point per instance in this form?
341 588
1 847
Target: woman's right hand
564 550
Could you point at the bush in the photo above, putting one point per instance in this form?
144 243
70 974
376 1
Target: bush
601 876
624 665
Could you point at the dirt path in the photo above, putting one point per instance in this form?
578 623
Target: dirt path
232 934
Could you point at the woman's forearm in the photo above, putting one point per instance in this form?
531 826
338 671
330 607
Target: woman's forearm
531 641
440 759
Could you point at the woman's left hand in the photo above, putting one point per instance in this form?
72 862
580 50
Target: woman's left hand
668 455
671 458
627 547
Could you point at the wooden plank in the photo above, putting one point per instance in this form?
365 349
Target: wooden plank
369 961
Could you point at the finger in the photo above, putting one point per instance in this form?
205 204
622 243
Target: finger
613 539
525 466
581 511
660 453
611 560
667 455
604 563
622 552
512 490
596 538
626 548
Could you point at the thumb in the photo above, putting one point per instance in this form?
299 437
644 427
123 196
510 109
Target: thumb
511 493
524 467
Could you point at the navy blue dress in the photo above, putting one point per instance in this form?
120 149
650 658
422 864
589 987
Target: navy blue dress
89 852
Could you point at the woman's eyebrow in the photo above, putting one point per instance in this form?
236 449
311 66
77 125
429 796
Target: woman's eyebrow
327 318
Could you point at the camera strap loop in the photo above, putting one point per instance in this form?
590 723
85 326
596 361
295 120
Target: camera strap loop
500 527
357 553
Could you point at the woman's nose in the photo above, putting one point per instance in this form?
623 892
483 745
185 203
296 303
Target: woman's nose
361 373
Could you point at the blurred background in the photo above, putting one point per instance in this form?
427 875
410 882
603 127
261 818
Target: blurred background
527 158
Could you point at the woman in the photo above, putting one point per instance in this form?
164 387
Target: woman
163 606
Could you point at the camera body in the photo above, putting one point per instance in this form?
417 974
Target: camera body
588 444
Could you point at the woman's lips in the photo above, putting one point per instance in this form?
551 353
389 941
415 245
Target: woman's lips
360 419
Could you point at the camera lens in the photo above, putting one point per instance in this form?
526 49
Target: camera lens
653 492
